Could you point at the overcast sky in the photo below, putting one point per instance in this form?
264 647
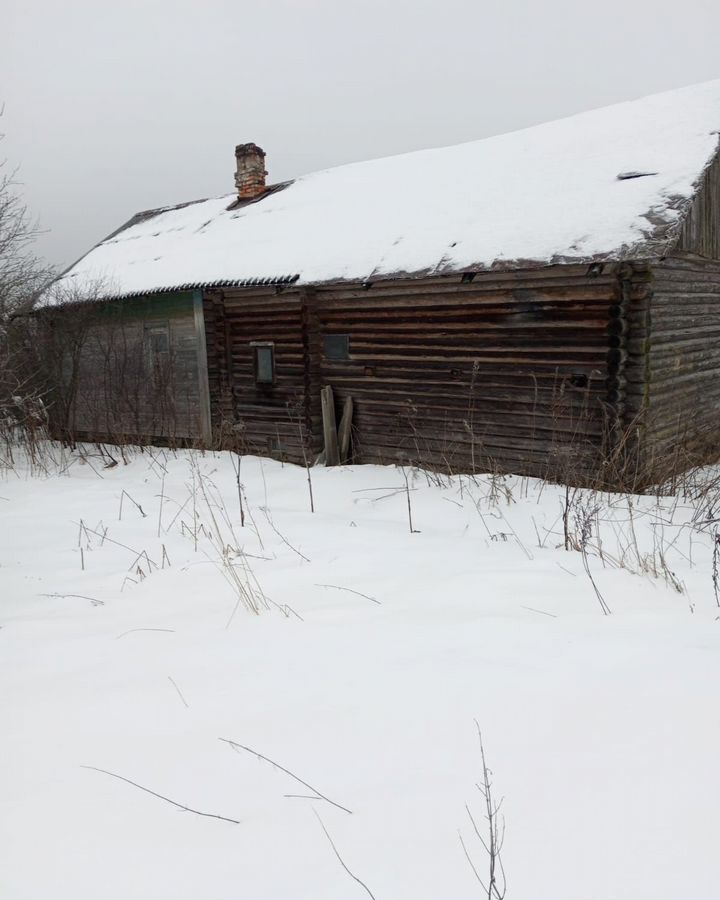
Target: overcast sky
113 107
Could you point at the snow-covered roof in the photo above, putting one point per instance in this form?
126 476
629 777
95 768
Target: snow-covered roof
562 191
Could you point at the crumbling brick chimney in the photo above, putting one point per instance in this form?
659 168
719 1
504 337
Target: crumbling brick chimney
250 173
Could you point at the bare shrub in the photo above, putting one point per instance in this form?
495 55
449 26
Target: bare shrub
211 527
23 409
491 836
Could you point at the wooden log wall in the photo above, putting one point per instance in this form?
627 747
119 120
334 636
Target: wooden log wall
700 232
675 348
281 419
629 329
507 371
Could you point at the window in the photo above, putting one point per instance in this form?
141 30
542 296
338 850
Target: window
157 346
157 352
336 346
158 339
264 355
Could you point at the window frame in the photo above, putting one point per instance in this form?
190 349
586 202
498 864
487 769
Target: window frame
332 357
157 361
156 358
150 329
256 347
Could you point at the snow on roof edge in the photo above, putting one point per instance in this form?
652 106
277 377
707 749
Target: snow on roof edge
345 224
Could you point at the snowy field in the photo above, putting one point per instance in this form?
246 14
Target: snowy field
128 645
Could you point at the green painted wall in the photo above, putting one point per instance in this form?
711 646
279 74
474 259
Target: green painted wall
149 306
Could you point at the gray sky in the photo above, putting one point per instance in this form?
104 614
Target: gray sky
113 107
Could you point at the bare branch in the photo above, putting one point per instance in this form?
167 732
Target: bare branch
338 587
133 630
237 747
180 693
496 885
472 864
341 860
160 796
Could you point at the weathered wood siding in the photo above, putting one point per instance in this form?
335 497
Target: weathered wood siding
279 419
129 370
509 370
675 364
700 232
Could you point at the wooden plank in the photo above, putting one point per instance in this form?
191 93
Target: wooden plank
344 430
700 232
332 456
202 370
675 375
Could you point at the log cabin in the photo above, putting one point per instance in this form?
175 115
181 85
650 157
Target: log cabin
544 302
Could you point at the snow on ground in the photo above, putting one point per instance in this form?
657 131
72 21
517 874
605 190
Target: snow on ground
602 732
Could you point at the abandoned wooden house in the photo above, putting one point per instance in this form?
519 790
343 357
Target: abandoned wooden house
544 302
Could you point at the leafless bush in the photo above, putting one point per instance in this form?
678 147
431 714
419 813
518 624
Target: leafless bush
491 836
212 522
23 407
22 273
715 560
295 414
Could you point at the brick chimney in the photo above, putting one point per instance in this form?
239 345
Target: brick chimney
250 173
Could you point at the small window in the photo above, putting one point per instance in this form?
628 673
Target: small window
158 339
264 363
157 354
336 346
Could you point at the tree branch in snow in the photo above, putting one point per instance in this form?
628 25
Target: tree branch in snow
339 587
133 630
236 467
492 843
296 417
160 796
585 514
341 860
93 600
282 536
137 553
409 505
319 796
179 692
